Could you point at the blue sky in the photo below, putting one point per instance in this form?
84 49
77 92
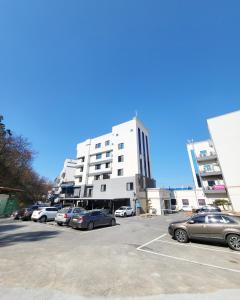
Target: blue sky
70 70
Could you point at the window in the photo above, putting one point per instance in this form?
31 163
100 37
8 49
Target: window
97 167
89 192
201 202
80 179
227 219
97 177
106 176
96 213
108 154
107 143
82 159
120 158
103 188
207 168
121 146
173 202
120 172
130 186
185 201
81 169
98 156
215 220
198 219
98 145
203 153
107 165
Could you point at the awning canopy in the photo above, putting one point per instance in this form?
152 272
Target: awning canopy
66 185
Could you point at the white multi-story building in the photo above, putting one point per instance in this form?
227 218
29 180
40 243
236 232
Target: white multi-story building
114 167
64 183
215 163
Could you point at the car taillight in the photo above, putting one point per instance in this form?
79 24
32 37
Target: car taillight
80 219
65 216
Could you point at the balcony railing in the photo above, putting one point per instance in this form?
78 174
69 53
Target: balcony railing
211 173
216 189
208 157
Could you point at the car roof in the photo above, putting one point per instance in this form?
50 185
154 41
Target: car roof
216 213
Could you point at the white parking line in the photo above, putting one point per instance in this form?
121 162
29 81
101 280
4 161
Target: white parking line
190 261
179 258
194 246
148 243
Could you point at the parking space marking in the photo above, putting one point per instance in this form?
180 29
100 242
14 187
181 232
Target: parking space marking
194 246
148 243
190 261
158 239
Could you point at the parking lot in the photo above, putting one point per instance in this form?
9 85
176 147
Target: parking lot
135 258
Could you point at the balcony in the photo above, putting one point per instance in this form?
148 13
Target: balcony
211 173
100 161
206 158
216 189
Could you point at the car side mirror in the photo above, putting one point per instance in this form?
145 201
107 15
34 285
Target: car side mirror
191 222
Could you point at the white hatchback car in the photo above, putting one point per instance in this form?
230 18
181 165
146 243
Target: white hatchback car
44 214
124 211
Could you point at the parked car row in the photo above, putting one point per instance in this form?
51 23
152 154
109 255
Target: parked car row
76 217
205 208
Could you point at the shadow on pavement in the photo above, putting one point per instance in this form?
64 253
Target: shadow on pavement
11 239
8 227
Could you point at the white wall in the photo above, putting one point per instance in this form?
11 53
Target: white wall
225 133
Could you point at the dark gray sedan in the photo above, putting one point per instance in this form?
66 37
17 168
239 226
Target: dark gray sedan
208 226
91 219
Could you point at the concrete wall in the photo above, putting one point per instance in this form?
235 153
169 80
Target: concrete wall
225 133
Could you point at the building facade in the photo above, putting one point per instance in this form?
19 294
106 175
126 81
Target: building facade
64 183
113 169
215 163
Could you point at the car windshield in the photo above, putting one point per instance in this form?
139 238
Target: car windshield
65 210
122 208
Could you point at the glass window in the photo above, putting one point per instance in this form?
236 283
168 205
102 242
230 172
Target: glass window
227 219
108 154
201 202
103 188
215 220
106 176
130 186
98 156
199 219
185 201
97 167
107 165
121 146
98 145
120 172
120 158
207 168
97 177
203 153
107 143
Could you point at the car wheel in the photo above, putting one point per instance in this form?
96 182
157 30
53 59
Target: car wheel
113 222
181 236
233 241
43 219
60 224
90 226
